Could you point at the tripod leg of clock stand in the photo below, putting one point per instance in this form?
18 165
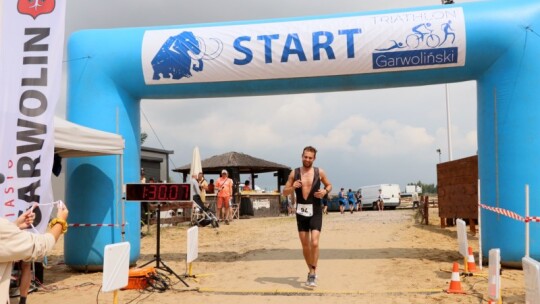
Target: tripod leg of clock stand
158 244
169 270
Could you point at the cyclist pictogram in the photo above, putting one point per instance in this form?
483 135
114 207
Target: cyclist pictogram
423 35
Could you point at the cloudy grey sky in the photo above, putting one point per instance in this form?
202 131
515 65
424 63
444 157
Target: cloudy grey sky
363 137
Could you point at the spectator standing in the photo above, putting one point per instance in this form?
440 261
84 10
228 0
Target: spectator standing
380 201
203 187
211 187
196 189
358 200
143 178
224 187
352 200
342 200
415 200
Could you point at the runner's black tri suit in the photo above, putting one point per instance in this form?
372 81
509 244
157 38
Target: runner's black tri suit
314 222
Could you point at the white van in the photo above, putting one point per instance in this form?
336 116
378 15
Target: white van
390 194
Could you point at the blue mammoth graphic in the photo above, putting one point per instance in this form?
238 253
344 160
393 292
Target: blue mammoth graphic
174 58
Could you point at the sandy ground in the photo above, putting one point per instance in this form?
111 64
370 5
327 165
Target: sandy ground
366 257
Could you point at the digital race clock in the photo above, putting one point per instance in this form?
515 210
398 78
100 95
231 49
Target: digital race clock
158 192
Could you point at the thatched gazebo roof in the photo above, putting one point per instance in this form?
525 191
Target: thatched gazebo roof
242 162
238 163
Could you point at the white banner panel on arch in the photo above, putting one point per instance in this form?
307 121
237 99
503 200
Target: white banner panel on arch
398 41
32 43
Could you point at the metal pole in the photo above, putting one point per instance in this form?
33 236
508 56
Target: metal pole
479 227
121 189
526 222
448 123
120 183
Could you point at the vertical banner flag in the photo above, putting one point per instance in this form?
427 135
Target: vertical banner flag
31 52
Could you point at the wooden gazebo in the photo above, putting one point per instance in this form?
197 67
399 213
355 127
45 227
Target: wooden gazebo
239 163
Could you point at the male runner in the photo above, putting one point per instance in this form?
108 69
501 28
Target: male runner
306 182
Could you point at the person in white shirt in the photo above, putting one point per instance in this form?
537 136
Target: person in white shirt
18 244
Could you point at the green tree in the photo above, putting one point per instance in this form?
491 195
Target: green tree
144 136
426 188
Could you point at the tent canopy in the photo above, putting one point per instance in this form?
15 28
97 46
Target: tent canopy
73 140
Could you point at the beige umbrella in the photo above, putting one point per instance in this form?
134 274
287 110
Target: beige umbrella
196 166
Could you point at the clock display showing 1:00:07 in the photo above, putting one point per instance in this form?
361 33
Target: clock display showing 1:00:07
158 192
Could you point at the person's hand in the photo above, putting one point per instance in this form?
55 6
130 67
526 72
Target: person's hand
62 211
26 219
297 183
320 193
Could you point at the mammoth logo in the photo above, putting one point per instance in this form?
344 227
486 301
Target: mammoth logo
174 58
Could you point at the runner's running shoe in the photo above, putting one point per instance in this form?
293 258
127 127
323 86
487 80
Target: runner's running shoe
311 280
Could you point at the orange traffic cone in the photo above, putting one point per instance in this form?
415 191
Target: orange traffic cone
471 265
455 283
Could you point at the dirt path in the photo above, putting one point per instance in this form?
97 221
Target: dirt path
365 257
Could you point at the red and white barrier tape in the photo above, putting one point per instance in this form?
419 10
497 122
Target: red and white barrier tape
532 219
96 225
511 214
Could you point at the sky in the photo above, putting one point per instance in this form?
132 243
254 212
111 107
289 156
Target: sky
363 137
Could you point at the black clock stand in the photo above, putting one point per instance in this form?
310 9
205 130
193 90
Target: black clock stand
157 257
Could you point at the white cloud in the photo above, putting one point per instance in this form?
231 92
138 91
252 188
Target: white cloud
291 116
392 138
344 135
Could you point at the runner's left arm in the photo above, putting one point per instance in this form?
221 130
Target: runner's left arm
327 185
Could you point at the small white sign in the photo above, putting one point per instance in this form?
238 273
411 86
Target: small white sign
494 274
531 269
462 238
192 251
261 203
115 266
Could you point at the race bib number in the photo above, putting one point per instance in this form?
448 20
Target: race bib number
304 209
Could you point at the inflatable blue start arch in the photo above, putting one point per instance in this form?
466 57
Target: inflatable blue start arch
496 43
